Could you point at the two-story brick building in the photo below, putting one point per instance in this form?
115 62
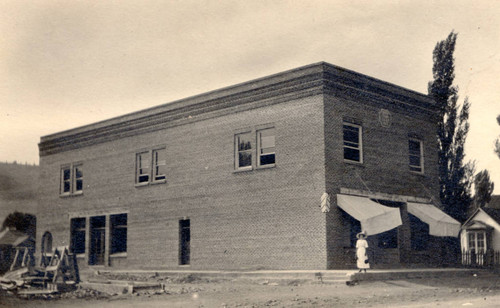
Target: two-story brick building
279 172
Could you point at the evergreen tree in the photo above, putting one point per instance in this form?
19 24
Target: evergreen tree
483 188
22 222
455 177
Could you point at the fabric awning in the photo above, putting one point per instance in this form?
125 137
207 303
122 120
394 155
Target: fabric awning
374 217
439 223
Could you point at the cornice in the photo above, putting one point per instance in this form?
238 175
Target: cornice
305 81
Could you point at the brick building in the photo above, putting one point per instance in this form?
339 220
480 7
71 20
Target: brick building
275 173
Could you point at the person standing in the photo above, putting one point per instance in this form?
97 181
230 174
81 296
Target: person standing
361 255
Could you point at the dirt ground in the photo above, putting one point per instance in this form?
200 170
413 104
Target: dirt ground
448 292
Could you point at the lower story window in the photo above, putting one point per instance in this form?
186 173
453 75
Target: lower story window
118 233
77 244
388 239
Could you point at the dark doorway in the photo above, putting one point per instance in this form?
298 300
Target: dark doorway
97 240
184 241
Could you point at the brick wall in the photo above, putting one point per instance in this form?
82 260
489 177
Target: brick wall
266 218
385 160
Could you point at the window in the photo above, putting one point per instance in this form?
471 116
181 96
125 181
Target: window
159 164
151 166
118 233
265 142
416 155
143 167
477 241
184 241
243 157
77 244
388 239
419 233
77 171
352 143
71 179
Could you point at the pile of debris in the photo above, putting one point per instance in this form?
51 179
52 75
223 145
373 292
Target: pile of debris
57 272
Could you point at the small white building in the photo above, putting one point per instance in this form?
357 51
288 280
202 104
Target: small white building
480 235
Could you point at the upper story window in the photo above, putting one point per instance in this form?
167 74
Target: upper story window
266 142
150 166
71 179
243 155
255 149
416 157
353 144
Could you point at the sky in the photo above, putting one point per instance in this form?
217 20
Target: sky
65 64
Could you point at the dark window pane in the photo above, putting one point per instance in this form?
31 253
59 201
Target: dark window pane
268 159
351 134
351 154
388 239
415 160
419 233
143 178
244 159
67 187
66 174
77 244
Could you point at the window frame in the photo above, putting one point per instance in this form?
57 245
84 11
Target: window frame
259 147
150 167
359 147
476 241
237 151
114 225
73 230
155 164
414 168
72 180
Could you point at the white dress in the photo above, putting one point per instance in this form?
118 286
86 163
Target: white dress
361 256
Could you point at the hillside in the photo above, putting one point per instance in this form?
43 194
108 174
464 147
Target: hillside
18 189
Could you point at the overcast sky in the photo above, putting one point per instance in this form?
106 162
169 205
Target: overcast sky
65 64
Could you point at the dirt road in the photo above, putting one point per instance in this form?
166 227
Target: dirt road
449 292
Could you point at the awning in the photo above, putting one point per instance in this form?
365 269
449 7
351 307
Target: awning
374 217
439 223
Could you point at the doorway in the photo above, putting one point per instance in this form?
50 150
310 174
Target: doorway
97 240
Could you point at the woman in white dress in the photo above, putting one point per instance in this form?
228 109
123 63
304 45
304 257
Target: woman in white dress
361 256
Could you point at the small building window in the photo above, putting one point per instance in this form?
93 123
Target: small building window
266 147
243 153
77 244
476 241
71 179
353 142
416 158
118 233
159 164
143 167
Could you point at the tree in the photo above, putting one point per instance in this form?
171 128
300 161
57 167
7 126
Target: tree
483 188
497 142
455 177
22 222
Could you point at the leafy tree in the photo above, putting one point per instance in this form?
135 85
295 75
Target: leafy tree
483 188
22 222
455 177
